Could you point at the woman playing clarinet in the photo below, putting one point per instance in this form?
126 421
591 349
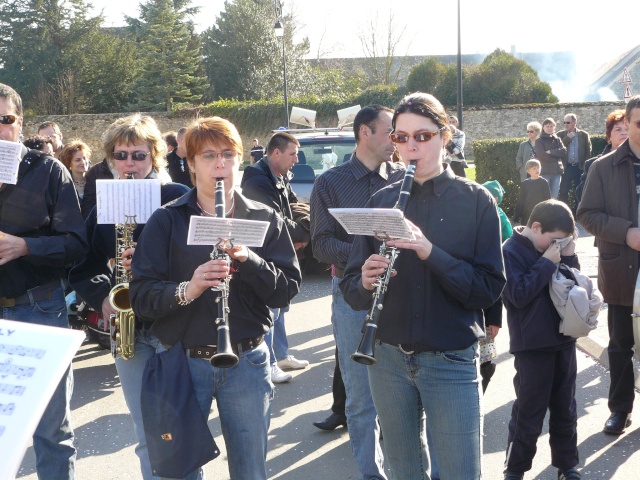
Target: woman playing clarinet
427 337
176 286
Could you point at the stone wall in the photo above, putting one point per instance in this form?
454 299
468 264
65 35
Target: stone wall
479 122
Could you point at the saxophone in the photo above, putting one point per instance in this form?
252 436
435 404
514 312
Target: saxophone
123 324
364 354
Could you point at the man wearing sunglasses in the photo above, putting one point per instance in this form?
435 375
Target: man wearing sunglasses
41 231
351 185
578 145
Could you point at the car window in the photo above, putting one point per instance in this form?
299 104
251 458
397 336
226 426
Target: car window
313 150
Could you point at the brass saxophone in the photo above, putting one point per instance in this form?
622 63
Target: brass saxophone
122 325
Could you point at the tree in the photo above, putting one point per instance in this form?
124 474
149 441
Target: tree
169 52
382 50
503 79
41 51
243 59
499 79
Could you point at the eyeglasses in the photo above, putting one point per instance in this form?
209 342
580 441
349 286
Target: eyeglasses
567 123
531 131
136 156
227 155
7 119
418 137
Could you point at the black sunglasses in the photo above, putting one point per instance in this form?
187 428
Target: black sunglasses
418 137
8 119
137 156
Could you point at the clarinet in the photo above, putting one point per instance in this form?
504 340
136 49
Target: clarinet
224 357
365 352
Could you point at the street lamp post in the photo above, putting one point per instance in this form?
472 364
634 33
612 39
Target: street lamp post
279 31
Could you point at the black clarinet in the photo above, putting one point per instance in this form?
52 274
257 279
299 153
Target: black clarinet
364 354
224 357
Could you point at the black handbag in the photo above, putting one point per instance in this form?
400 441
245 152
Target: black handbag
178 437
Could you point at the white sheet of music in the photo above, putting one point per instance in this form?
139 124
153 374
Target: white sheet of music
211 230
377 222
118 198
9 161
33 359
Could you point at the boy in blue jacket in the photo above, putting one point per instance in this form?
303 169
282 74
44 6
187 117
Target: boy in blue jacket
545 360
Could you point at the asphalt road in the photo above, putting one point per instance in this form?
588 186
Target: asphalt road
299 451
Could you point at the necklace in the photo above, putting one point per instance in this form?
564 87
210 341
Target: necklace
209 214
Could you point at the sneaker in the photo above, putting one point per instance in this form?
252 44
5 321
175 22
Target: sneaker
570 474
278 376
292 363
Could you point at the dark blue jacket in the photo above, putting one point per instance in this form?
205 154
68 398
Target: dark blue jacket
533 320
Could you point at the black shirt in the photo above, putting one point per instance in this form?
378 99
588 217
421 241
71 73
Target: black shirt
269 278
435 304
532 192
43 209
178 169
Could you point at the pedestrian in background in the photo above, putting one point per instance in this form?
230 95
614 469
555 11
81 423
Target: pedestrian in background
526 150
552 154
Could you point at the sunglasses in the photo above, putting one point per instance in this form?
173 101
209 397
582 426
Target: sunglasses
567 123
531 131
418 137
7 119
137 156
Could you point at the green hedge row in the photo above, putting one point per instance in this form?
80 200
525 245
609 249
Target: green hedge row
252 116
496 160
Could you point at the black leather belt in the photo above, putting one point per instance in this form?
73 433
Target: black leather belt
208 351
38 294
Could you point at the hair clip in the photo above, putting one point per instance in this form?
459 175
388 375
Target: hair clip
409 103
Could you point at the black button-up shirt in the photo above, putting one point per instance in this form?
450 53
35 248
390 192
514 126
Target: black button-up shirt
43 209
269 278
435 304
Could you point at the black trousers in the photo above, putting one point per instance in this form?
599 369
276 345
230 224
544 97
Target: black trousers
544 380
338 390
620 350
570 178
458 169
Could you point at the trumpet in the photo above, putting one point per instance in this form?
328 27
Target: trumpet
365 352
224 357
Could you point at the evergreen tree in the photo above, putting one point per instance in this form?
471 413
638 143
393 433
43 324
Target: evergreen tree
169 53
243 59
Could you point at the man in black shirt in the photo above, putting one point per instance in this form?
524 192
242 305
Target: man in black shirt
350 185
42 231
257 151
177 161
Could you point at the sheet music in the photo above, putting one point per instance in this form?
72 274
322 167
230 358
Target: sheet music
118 198
9 161
377 222
33 359
211 230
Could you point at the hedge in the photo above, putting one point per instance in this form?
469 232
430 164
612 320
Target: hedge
495 160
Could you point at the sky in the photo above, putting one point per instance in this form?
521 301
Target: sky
333 26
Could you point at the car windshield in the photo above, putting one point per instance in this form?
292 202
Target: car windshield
311 151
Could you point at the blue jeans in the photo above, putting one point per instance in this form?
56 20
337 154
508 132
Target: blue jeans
53 438
361 414
554 183
445 387
243 395
276 337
